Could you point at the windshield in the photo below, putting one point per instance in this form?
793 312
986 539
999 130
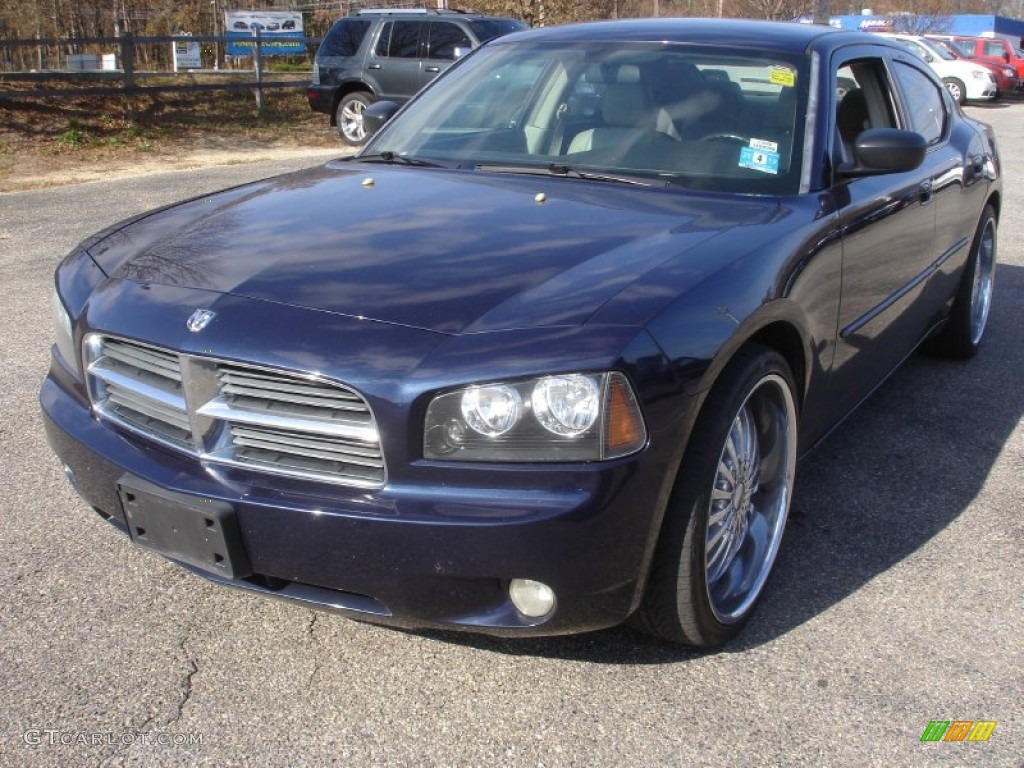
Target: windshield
966 47
938 50
708 118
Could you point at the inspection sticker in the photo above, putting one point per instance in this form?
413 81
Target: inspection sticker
783 76
764 146
759 160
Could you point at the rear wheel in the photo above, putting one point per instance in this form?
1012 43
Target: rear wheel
349 117
956 88
962 335
724 525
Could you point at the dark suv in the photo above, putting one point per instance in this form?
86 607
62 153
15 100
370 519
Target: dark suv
390 54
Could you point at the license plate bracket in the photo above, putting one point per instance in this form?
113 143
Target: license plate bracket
200 532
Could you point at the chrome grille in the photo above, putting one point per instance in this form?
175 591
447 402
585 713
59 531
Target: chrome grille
140 360
261 391
300 452
140 387
230 413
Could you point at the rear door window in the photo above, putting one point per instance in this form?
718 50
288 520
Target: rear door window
447 41
399 39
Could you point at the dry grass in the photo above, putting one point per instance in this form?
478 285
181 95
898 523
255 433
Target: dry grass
47 140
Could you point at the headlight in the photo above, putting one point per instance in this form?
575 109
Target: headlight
491 411
980 74
65 338
1009 72
570 417
566 405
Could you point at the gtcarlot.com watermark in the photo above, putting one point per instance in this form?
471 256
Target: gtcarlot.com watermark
51 737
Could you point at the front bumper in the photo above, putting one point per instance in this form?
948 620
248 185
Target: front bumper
981 91
416 556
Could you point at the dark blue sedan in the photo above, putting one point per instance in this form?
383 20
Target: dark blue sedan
544 355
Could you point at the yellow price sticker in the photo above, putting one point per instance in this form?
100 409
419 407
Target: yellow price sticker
782 76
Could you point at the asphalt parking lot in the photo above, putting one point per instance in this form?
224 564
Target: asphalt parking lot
898 597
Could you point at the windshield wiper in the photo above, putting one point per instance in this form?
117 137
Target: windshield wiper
566 171
395 159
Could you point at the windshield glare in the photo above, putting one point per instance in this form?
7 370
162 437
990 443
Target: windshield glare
672 114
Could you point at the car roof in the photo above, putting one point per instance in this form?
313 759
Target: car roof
417 13
774 35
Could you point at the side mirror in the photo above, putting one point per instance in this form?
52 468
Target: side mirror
877 151
1006 57
377 114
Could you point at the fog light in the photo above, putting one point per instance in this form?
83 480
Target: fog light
531 598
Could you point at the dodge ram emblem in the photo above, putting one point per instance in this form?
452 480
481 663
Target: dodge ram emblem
199 320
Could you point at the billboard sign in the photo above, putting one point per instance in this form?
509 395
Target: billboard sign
280 32
186 55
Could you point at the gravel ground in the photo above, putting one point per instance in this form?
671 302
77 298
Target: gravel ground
897 597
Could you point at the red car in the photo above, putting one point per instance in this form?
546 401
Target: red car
995 49
1007 77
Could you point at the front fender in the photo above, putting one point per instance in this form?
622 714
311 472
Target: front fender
784 294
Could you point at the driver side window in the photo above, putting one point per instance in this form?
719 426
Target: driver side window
863 101
925 108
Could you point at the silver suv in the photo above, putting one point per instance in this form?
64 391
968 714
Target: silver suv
390 54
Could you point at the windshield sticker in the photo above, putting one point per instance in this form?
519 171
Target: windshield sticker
759 160
783 76
764 146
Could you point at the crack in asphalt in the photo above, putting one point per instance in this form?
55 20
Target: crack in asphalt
186 688
312 643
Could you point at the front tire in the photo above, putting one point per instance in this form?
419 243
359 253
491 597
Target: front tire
349 117
962 335
956 89
724 524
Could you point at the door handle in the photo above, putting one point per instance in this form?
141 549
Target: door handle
433 69
373 66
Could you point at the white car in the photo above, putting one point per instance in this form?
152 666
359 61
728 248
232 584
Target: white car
964 79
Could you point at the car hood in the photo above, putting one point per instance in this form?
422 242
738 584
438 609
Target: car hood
446 251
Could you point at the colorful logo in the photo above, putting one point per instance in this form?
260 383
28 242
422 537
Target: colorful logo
958 730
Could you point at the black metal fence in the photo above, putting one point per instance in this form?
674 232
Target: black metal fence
239 73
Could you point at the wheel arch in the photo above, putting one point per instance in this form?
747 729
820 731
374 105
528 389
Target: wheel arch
779 326
344 90
777 333
995 200
784 338
778 336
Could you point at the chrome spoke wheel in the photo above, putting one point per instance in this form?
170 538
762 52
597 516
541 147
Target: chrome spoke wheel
984 275
750 498
351 120
349 117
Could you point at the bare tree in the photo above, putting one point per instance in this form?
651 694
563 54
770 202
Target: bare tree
778 10
921 24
